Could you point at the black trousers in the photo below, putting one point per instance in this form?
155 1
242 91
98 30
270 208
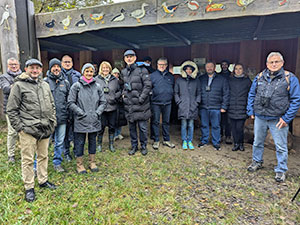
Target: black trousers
108 119
238 130
79 141
143 132
225 125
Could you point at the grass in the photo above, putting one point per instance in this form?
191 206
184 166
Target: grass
165 187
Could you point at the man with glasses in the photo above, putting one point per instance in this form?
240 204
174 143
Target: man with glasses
273 101
161 101
6 82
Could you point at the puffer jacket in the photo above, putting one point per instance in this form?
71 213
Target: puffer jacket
60 88
137 86
187 93
111 91
71 75
31 107
6 80
87 102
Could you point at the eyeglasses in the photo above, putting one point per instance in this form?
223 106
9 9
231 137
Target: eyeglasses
67 62
274 62
12 64
161 64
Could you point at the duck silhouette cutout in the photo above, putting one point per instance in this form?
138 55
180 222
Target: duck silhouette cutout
214 7
50 25
169 9
120 17
281 3
5 17
97 17
244 3
66 22
81 23
138 14
193 6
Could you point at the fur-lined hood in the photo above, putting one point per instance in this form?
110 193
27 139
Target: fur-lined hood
192 64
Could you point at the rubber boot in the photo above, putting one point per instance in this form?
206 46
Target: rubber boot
111 143
100 137
92 163
80 167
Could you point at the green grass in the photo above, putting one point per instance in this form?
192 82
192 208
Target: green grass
165 187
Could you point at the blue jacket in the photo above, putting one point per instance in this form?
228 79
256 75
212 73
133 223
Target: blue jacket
162 87
294 98
71 75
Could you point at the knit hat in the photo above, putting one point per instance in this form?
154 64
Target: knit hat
87 65
33 62
115 70
53 62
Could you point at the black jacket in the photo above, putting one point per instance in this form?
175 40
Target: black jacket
239 88
137 86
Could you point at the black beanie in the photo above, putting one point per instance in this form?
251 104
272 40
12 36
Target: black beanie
53 62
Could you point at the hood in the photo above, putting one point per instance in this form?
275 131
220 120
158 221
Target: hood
192 64
54 77
25 77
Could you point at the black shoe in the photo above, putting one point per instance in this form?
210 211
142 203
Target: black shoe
200 145
68 158
242 148
236 147
217 147
228 140
49 185
30 195
144 151
133 151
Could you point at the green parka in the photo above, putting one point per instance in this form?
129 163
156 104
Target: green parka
31 107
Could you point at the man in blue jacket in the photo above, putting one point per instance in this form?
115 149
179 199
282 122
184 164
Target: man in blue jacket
161 101
273 101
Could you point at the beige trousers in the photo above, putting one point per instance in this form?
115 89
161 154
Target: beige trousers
12 137
30 146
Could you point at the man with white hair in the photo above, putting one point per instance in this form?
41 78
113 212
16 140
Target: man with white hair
273 101
6 82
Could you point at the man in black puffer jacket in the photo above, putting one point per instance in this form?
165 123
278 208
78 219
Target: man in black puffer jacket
60 90
137 86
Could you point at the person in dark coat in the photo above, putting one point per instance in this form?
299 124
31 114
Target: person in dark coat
60 88
214 100
112 93
188 98
87 102
137 86
239 85
148 61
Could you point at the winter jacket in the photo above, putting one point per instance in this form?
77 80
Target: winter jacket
87 102
60 88
281 98
71 75
218 96
6 80
137 86
187 93
162 87
111 91
225 74
239 88
31 107
121 117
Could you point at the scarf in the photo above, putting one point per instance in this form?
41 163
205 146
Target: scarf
14 74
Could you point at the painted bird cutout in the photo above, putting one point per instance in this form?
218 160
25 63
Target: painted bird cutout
120 17
5 17
283 2
50 24
244 3
81 23
169 9
66 22
213 7
193 6
138 14
97 17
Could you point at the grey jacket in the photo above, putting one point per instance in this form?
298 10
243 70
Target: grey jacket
87 102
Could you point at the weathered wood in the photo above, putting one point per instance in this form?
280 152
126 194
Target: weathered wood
45 61
85 57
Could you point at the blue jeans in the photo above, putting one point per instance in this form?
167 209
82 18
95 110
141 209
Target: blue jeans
280 139
118 131
213 117
187 129
79 142
165 111
59 137
143 132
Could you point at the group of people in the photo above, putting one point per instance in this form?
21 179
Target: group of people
70 106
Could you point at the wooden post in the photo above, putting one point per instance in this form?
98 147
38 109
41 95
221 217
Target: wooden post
45 61
84 57
296 121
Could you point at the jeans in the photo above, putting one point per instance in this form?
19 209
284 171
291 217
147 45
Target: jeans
143 130
187 129
118 131
225 125
165 111
79 141
280 139
69 137
59 136
212 116
108 119
237 127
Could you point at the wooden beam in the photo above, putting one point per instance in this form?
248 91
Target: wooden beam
73 44
175 34
259 27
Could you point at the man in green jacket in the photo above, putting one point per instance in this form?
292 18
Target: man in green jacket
31 111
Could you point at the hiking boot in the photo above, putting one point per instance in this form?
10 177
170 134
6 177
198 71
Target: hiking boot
184 145
120 137
236 147
68 158
79 165
255 166
111 143
217 147
201 144
133 150
280 177
11 159
228 140
144 151
59 169
242 148
92 163
155 145
168 144
29 195
191 146
48 185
